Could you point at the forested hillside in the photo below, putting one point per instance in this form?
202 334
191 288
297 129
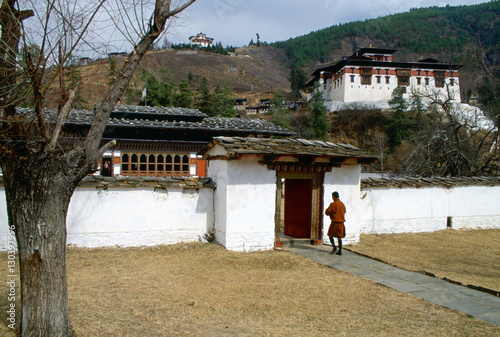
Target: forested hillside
467 35
446 31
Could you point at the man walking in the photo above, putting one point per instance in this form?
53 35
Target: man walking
336 211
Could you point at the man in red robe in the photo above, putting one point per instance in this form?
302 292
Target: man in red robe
336 211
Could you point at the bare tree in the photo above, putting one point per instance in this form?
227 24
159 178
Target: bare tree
40 168
450 141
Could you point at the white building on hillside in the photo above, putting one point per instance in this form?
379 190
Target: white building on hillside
201 40
370 76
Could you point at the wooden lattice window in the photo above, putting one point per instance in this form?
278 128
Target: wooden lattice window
439 78
403 77
155 164
365 71
366 76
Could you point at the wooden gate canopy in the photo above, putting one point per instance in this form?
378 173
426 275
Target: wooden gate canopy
303 152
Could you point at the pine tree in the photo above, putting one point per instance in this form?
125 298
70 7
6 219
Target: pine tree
318 122
298 80
159 92
399 124
184 97
223 102
204 99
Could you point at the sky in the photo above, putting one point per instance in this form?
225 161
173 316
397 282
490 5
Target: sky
236 22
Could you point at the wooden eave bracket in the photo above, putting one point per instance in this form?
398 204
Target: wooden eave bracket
270 159
336 161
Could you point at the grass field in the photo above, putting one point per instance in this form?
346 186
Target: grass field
205 290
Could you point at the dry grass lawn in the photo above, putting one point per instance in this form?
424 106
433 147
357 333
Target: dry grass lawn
205 290
469 257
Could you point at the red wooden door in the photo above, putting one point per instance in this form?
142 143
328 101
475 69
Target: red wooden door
298 207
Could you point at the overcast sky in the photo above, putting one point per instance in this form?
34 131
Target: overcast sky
236 22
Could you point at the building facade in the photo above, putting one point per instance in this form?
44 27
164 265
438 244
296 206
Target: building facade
162 141
201 40
371 75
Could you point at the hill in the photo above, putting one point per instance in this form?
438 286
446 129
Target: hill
252 73
466 35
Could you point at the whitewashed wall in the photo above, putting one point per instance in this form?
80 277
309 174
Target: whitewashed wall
132 216
4 227
242 209
426 209
244 203
347 91
346 181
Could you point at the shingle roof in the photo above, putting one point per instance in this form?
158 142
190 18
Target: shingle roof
417 182
211 124
160 111
243 145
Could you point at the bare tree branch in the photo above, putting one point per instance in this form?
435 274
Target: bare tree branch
61 119
161 14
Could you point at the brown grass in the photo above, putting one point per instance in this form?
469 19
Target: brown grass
205 290
469 257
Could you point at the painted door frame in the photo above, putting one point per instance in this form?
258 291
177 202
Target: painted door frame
316 207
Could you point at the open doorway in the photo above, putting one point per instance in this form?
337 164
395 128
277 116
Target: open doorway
106 167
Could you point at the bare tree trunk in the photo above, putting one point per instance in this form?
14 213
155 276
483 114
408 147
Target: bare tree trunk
38 193
41 174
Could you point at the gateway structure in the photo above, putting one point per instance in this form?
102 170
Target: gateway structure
370 76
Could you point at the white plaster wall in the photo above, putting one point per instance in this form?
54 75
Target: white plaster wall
356 92
338 93
245 204
218 170
374 92
426 209
346 181
133 216
4 226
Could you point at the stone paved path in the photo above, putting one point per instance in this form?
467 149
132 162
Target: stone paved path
472 302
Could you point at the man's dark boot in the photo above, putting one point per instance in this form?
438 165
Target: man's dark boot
340 247
333 245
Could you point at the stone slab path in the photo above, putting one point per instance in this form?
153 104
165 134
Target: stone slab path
475 303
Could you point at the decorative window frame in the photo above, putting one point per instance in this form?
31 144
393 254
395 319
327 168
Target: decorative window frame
138 163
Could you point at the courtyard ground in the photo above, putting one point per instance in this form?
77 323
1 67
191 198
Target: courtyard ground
205 290
467 256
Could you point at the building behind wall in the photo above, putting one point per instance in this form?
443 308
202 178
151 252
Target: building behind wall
161 141
371 75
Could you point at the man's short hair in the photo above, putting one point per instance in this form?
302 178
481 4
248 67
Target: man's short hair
336 195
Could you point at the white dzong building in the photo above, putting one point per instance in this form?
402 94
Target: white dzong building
370 76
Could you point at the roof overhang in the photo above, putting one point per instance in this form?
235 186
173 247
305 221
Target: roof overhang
298 152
